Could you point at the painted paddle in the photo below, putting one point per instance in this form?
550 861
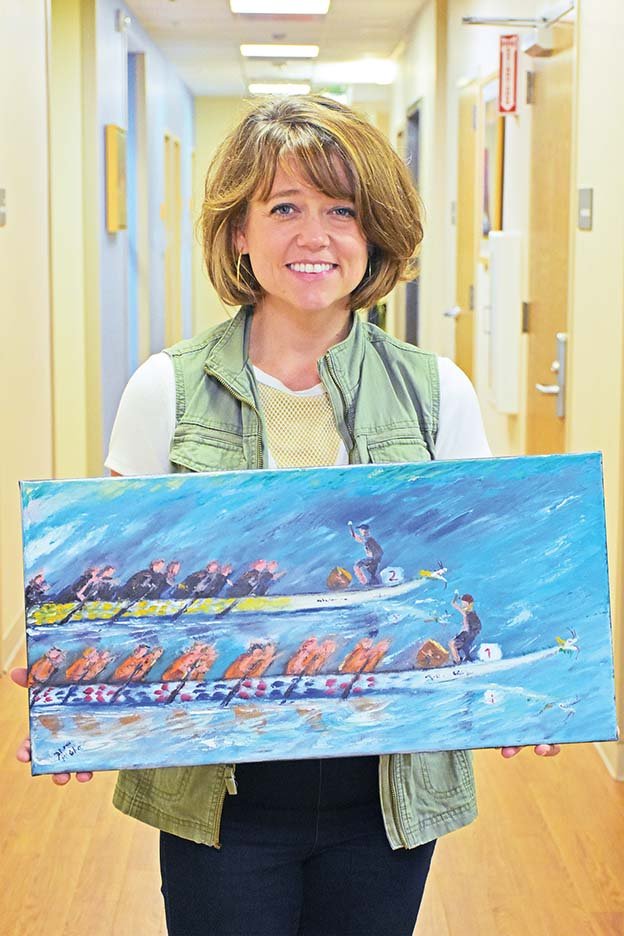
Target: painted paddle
183 681
125 685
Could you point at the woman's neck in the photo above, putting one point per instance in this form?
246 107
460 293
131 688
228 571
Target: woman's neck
287 344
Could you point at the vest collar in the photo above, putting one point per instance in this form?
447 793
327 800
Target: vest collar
228 357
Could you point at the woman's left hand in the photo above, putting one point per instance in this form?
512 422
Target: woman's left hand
542 750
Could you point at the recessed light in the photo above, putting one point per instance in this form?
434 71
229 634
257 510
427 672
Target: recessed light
283 7
281 88
279 51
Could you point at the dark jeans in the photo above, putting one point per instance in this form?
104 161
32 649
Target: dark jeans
309 857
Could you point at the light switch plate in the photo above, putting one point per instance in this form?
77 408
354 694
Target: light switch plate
586 209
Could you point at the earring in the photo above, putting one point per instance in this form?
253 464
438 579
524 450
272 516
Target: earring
369 269
238 266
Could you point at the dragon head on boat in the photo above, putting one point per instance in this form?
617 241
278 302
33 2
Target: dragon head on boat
568 644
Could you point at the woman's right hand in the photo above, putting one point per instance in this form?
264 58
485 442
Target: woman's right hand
19 675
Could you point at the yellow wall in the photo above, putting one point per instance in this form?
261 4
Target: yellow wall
67 240
596 356
25 344
214 118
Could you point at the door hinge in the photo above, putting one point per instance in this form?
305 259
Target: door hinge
474 116
471 298
526 311
530 87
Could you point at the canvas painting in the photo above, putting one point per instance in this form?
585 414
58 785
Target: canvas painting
257 615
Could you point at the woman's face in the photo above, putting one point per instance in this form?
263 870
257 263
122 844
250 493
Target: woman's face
306 250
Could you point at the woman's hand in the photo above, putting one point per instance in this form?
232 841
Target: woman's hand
542 750
20 676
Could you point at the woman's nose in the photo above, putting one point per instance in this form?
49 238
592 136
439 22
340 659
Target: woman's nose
312 233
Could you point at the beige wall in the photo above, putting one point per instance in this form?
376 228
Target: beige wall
214 118
25 343
67 241
596 355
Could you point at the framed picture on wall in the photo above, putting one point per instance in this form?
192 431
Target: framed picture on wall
116 198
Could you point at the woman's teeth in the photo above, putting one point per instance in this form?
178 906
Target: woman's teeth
311 267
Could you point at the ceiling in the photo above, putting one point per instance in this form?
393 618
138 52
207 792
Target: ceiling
202 38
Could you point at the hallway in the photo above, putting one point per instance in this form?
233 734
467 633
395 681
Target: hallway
112 112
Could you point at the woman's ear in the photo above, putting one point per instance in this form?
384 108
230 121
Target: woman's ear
240 241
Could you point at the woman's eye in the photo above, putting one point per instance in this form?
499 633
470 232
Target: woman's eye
344 212
283 210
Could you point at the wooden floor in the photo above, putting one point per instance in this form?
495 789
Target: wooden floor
546 857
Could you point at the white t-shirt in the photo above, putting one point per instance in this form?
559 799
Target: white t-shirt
146 418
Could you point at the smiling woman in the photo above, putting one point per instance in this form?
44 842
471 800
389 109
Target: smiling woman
309 215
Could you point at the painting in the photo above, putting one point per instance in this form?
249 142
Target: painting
257 615
116 188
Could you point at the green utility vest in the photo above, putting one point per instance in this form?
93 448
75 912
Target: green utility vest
385 397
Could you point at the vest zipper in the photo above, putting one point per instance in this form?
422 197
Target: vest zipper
241 399
393 801
343 421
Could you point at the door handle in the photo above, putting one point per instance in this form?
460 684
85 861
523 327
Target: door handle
453 313
558 367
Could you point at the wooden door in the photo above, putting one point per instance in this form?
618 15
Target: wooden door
467 228
549 244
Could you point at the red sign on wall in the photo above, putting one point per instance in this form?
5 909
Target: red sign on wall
508 75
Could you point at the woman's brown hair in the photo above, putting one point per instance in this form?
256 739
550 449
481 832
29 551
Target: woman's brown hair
335 149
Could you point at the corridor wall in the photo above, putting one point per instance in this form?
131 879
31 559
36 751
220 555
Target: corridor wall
441 56
421 79
596 356
25 383
169 109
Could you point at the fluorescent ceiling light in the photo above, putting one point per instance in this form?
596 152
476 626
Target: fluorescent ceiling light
279 51
363 71
265 88
283 7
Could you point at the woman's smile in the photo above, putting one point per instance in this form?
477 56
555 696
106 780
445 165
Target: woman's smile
311 269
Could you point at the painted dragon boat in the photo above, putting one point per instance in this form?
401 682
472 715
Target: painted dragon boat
51 613
280 688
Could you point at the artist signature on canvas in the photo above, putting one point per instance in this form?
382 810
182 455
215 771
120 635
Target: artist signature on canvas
67 750
432 677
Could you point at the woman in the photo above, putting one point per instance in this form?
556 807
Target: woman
308 216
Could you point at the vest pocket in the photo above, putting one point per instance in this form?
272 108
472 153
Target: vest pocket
164 784
402 449
202 449
446 772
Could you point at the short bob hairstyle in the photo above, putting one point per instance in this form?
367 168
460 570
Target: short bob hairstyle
338 153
